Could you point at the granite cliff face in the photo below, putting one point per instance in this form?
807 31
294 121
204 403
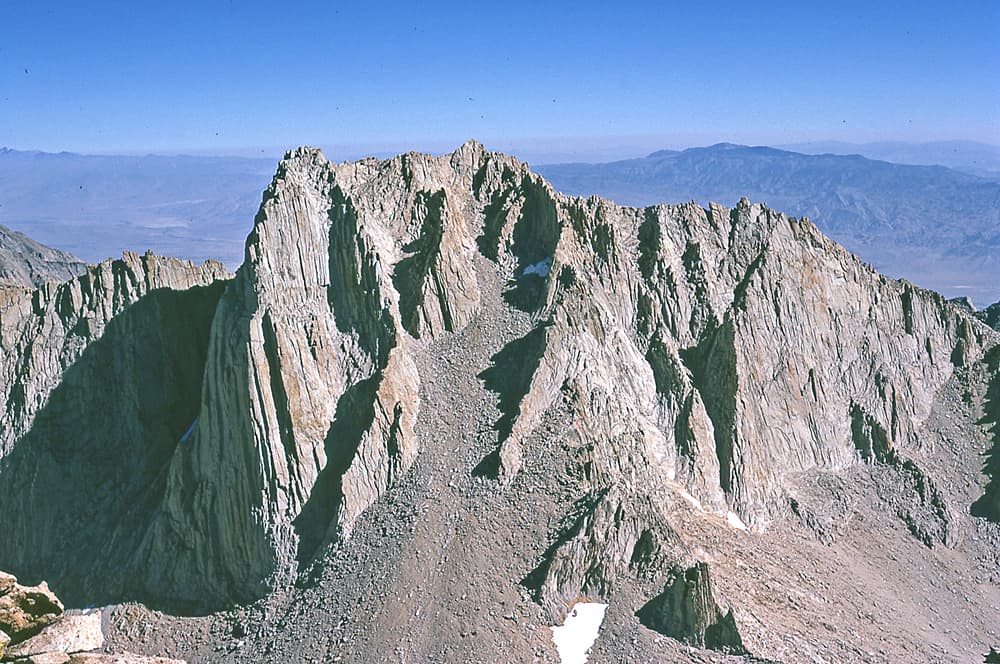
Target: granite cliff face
676 357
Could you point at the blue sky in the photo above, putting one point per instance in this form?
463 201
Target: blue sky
239 77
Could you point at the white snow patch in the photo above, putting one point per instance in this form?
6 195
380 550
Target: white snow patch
541 268
578 632
691 499
735 521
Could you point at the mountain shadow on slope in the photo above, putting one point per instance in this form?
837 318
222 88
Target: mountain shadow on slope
988 506
79 489
509 377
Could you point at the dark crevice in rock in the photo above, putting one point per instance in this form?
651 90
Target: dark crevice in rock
668 375
281 405
673 387
535 236
510 374
527 292
906 297
645 553
685 440
353 293
495 215
713 367
649 246
602 240
870 438
659 280
740 292
479 177
702 317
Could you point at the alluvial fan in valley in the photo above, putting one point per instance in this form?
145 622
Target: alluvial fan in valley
440 404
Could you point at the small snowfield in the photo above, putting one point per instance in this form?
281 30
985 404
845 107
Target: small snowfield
578 632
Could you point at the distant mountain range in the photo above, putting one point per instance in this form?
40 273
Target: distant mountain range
932 225
936 226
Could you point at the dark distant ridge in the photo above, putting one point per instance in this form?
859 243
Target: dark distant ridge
28 263
935 226
990 315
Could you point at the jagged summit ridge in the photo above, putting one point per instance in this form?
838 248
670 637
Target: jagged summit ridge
699 352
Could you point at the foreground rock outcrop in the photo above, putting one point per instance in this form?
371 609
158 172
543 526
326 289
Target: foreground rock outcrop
644 364
70 634
24 610
34 630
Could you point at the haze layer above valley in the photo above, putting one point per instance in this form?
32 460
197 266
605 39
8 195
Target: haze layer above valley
932 225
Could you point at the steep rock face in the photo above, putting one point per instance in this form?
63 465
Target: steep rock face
700 354
744 336
310 391
714 352
988 505
25 262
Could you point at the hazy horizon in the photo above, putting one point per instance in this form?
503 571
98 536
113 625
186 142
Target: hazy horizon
536 151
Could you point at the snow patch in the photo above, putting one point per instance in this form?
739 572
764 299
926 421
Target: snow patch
578 632
541 268
735 521
691 499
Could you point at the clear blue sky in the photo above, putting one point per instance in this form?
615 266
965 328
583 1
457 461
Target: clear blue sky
231 76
